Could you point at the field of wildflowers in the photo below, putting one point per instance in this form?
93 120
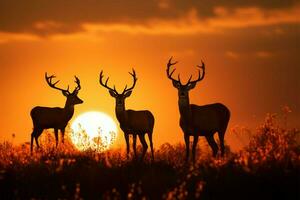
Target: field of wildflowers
267 168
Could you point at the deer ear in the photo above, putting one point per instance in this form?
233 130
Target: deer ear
191 85
112 93
65 93
127 94
176 84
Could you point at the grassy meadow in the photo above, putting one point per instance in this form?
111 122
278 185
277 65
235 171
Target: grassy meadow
267 168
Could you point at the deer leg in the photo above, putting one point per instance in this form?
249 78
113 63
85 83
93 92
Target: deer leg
31 141
222 146
134 145
194 147
212 143
187 146
56 136
38 133
62 135
37 142
151 145
144 143
127 144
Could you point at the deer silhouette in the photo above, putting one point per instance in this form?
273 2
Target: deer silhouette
197 120
136 123
56 118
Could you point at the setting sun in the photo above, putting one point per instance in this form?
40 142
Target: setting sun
93 130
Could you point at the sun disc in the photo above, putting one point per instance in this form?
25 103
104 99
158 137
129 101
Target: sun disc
93 130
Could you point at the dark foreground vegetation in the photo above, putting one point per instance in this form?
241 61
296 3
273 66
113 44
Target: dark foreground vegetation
268 168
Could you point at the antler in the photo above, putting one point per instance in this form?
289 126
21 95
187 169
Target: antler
49 81
133 74
105 84
78 87
200 77
168 70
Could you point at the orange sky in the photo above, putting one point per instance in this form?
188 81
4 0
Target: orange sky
251 52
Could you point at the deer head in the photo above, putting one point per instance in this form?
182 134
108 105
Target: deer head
120 97
72 98
184 89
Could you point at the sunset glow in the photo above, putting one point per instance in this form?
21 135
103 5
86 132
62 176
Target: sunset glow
153 99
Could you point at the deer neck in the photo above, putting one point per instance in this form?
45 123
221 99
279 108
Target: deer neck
121 113
184 108
68 110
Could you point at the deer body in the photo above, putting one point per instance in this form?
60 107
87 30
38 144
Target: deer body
203 119
56 118
132 122
197 120
45 117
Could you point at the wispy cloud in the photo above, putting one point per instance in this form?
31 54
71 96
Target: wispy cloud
150 17
8 37
232 54
191 23
263 54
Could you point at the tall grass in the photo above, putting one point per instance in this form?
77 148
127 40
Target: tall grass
268 167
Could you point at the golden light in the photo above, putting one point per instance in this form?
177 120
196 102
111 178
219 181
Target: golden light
93 131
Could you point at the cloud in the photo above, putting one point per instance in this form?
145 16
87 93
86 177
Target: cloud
191 23
7 37
164 4
263 54
153 16
232 54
